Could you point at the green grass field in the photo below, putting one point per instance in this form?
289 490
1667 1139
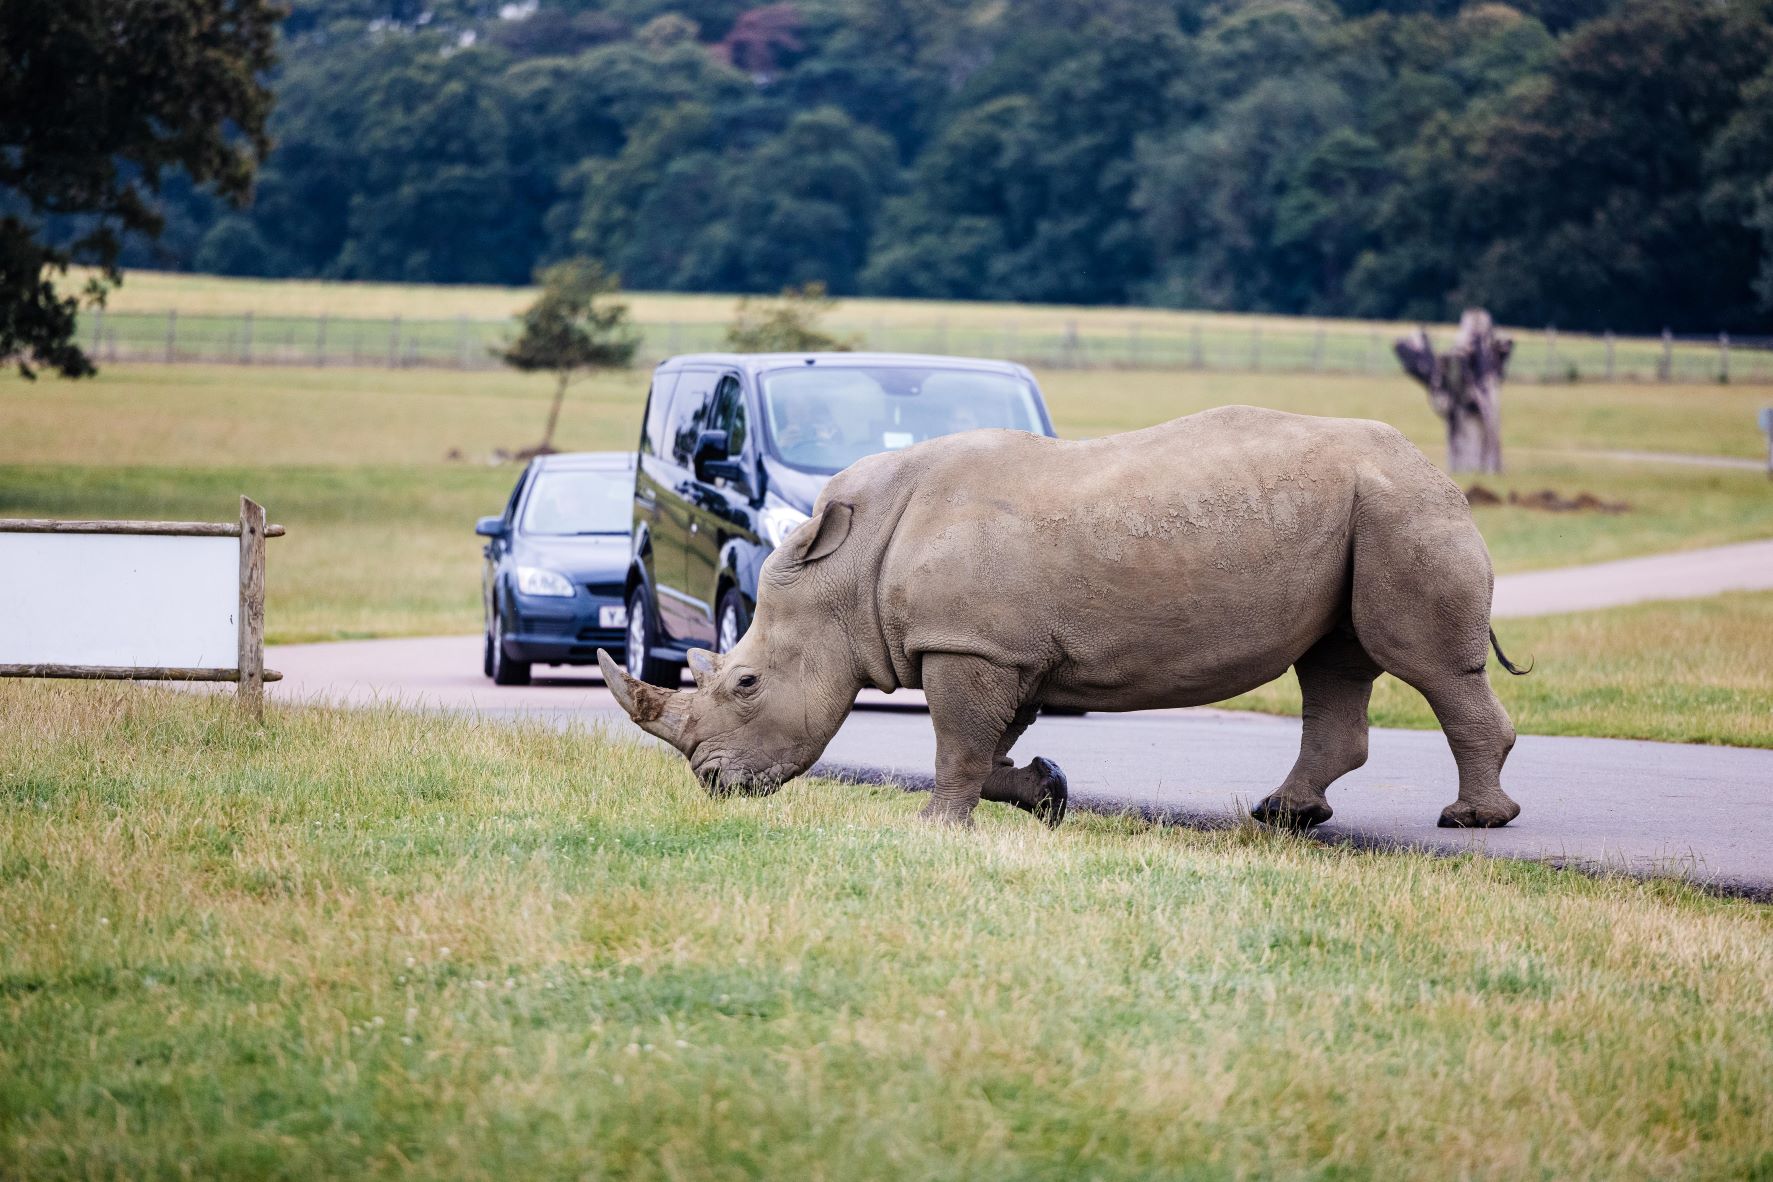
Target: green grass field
374 944
380 542
154 315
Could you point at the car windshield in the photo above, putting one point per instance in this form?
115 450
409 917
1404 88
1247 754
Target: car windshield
824 419
579 503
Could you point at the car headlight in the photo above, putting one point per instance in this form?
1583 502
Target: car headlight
533 580
778 521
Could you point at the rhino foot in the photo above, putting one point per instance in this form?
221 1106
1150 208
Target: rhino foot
1292 813
1052 793
1492 812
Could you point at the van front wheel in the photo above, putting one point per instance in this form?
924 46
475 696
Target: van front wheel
731 622
638 658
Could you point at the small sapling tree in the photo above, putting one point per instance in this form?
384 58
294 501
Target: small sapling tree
572 330
787 324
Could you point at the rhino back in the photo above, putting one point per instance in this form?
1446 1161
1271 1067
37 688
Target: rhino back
1179 563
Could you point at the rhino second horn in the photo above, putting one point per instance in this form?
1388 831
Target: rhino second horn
704 666
649 706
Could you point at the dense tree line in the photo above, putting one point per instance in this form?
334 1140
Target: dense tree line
1589 163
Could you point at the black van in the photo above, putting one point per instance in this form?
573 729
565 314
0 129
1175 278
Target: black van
734 450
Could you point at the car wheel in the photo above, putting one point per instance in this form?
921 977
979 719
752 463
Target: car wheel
638 659
505 671
731 621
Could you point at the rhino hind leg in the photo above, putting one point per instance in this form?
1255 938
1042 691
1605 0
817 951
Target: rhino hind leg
1335 683
978 718
1428 624
1481 736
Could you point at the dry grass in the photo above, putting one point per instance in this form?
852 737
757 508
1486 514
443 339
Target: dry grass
156 291
388 945
440 321
1692 419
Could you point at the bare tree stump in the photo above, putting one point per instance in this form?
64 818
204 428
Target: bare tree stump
1464 388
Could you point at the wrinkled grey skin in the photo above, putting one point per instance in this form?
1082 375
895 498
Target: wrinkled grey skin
1174 566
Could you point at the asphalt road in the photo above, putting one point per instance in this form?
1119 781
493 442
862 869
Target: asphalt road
1705 813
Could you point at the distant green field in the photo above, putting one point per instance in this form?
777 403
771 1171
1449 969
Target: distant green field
167 317
380 522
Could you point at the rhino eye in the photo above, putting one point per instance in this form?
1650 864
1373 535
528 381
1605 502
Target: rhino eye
747 680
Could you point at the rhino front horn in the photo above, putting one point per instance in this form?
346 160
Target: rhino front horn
656 711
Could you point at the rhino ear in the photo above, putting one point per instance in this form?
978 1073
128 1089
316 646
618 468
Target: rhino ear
822 535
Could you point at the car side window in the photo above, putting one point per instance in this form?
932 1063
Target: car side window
653 434
692 408
516 495
729 414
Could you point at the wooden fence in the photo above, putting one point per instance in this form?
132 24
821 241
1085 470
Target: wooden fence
1049 340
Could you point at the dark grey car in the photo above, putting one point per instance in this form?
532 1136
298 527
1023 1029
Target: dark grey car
553 586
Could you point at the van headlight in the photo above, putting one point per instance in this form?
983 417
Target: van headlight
778 520
534 580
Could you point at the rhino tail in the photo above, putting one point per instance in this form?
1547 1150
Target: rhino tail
1503 657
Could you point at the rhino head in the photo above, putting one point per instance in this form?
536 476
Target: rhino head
763 713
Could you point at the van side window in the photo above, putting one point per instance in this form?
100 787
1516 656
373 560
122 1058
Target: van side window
692 408
658 408
729 414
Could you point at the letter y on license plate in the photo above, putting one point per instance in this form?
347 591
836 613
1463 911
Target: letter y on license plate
612 616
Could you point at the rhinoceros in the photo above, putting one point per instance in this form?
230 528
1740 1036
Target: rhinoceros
1172 566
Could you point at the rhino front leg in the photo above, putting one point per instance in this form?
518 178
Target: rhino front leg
1039 788
978 715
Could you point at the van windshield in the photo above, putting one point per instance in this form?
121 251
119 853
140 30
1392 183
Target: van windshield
584 502
823 419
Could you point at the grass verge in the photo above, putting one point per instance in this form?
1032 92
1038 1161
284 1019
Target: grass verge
1696 671
380 944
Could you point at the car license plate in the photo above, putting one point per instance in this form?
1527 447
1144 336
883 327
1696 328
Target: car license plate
614 616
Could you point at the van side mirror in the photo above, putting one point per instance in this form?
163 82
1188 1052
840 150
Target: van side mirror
711 461
490 527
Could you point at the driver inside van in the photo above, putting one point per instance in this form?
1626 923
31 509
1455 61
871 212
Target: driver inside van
806 422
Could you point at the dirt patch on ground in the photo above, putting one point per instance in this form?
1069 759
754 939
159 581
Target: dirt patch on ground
1547 500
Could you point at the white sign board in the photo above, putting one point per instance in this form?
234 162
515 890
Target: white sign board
119 599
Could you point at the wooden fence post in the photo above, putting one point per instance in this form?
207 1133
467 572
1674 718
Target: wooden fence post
1551 352
1667 367
250 689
